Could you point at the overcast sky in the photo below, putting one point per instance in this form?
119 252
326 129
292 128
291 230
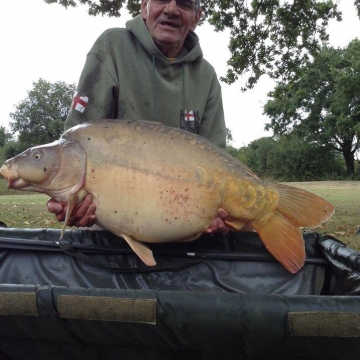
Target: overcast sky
47 41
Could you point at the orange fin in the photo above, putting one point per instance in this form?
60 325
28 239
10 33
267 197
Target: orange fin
305 209
284 241
141 250
235 224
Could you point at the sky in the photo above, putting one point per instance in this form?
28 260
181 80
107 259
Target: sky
45 41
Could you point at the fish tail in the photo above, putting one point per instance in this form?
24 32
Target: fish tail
305 209
283 240
281 233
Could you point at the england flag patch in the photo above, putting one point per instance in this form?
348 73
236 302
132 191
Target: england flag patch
79 102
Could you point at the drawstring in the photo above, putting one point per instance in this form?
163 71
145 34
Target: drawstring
182 112
183 76
154 90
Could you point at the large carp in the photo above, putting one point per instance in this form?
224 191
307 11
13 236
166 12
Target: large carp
151 183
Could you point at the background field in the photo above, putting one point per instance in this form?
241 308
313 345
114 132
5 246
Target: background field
29 210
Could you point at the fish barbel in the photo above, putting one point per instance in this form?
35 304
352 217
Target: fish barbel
151 184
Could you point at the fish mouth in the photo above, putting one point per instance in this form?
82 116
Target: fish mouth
5 171
15 181
18 183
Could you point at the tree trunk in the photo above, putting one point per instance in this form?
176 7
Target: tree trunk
349 161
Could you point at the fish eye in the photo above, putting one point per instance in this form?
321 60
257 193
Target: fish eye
37 156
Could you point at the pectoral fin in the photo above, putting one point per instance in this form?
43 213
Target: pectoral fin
141 250
73 199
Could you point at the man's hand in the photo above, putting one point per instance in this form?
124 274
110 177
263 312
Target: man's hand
219 223
83 214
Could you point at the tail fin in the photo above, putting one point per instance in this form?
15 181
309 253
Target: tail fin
284 241
302 207
282 235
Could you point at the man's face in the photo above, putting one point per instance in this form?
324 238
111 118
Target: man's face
168 24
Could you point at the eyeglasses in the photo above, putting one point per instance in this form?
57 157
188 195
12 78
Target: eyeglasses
181 4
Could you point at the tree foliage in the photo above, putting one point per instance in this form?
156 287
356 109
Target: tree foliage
292 159
102 7
40 118
10 149
323 105
288 158
256 154
273 37
5 136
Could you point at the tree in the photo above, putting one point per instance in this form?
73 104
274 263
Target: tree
256 156
5 136
40 118
323 104
273 37
5 143
293 159
288 158
229 137
11 149
237 153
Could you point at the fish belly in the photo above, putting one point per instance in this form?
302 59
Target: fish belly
150 207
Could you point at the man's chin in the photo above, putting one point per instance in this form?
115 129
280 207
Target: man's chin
169 44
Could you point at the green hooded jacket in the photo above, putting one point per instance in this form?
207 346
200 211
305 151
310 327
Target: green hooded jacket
126 77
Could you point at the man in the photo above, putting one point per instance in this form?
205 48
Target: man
152 70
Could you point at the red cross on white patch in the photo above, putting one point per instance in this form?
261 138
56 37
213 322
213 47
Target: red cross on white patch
189 116
79 102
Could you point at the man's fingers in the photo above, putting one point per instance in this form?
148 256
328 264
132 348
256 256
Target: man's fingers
55 207
212 227
222 227
223 214
217 225
83 214
88 219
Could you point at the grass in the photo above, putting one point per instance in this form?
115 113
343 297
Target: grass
26 211
29 210
345 196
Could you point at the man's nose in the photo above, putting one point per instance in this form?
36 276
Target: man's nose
172 6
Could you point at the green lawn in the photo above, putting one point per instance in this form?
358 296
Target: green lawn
26 211
345 196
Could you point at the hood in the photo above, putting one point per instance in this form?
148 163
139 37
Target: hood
191 49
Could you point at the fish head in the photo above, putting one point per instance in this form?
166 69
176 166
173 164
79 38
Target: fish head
56 169
34 166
